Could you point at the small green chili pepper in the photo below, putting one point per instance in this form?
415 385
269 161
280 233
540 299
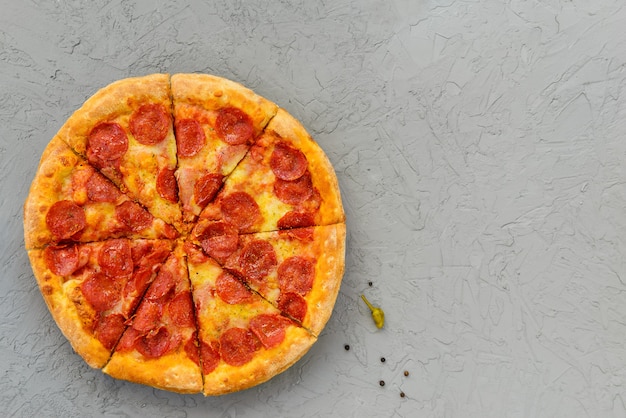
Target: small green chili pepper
377 314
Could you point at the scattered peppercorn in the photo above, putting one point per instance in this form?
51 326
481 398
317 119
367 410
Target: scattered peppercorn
369 284
406 372
402 394
382 383
382 359
347 347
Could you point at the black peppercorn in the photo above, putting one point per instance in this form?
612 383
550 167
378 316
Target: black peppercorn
347 347
382 383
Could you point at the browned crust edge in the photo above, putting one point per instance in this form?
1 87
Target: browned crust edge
65 314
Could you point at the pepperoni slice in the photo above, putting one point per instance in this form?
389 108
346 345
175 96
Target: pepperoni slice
210 355
170 232
233 126
240 209
296 220
166 185
107 142
194 254
150 124
215 229
257 259
62 261
148 253
206 188
133 216
108 329
115 258
181 310
140 249
219 240
65 219
162 284
127 342
269 329
296 191
296 275
99 189
231 290
138 283
221 246
191 348
101 292
301 234
237 346
293 304
190 137
155 345
288 163
147 317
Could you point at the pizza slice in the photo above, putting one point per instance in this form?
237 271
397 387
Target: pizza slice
70 201
299 270
244 340
285 181
159 348
216 121
92 289
125 130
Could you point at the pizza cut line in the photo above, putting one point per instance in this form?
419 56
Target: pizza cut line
186 234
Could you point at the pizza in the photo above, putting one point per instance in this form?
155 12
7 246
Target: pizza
186 234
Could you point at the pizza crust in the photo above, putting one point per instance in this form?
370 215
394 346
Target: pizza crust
57 161
330 252
173 372
59 298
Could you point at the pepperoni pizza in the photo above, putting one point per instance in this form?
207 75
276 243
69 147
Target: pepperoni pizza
186 234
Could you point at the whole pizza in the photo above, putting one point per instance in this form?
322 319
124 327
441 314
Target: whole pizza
186 234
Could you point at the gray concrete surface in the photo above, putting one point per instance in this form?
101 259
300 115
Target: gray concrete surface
480 148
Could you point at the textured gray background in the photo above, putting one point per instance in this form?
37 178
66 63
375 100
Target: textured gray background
480 148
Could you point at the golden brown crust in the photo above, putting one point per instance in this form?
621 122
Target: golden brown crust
174 372
57 162
330 252
322 172
60 297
